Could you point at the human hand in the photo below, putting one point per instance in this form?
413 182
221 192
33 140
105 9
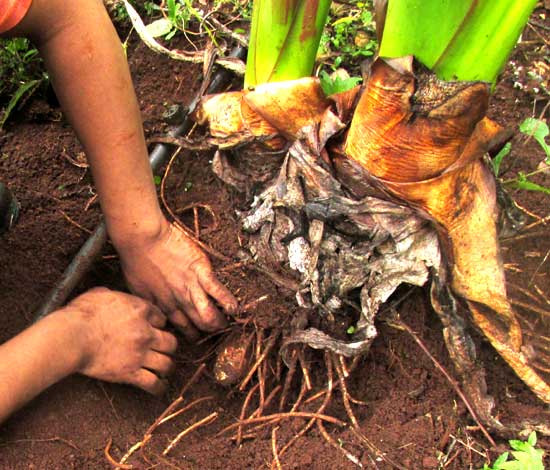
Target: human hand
171 271
122 339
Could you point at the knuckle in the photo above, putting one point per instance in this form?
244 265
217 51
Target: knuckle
205 307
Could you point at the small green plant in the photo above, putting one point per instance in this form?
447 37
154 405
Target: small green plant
22 74
120 15
177 16
336 83
524 454
349 35
537 129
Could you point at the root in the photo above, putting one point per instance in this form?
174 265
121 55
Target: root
319 411
211 251
75 223
276 460
111 460
278 417
399 324
265 389
196 222
337 446
533 308
261 358
168 414
181 435
243 412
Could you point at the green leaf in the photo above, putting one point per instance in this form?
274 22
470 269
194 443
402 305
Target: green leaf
522 182
351 330
172 9
25 89
160 27
501 459
337 84
526 456
500 156
539 130
171 34
519 445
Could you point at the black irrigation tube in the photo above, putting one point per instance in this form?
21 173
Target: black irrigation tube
90 251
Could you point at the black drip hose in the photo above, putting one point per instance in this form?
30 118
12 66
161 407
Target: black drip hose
90 251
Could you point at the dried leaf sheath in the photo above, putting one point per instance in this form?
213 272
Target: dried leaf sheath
432 160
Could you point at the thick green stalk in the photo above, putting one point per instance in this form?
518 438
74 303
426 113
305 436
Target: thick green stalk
284 38
457 39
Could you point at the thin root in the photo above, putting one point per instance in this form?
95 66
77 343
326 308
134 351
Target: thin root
243 412
337 446
261 358
276 459
181 435
403 326
276 417
213 252
111 460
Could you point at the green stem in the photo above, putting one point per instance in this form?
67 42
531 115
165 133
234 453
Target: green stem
458 40
284 38
527 175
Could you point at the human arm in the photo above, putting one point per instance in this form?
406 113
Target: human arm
103 334
91 78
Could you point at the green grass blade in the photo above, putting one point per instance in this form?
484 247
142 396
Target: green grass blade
26 89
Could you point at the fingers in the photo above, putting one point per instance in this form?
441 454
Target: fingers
210 283
203 313
183 324
164 342
161 364
149 382
156 317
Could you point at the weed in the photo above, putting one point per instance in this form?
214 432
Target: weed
177 17
348 36
120 15
525 456
335 83
22 73
537 129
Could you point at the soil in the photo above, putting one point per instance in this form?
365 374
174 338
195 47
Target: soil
411 411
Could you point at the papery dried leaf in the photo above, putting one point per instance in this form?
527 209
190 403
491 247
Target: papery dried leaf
267 114
232 122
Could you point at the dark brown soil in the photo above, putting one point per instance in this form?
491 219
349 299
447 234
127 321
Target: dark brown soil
412 413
